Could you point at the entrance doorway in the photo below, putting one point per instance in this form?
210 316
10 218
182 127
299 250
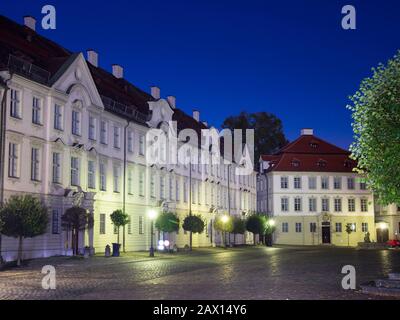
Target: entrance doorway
326 232
382 235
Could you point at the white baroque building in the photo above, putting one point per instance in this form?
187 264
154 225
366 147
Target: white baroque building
73 133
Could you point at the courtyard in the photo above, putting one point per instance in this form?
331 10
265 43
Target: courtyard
283 272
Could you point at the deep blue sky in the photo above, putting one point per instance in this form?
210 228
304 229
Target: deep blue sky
291 58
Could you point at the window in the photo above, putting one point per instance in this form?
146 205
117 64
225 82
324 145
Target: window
171 188
364 227
338 227
91 175
185 190
338 205
116 178
285 227
313 227
141 144
15 104
92 128
337 183
350 183
103 181
152 186
298 227
13 160
364 205
284 204
130 225
141 184
55 221
352 205
177 195
102 223
325 205
103 132
36 111
76 123
58 119
117 142
297 182
312 183
130 141
353 227
56 167
74 171
141 225
325 183
35 164
284 182
162 187
297 204
130 182
363 185
312 204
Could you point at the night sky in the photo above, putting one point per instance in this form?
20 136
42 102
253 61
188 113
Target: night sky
291 58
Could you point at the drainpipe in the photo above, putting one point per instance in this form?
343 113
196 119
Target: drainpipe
124 186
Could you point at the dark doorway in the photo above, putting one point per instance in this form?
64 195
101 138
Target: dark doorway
326 232
382 235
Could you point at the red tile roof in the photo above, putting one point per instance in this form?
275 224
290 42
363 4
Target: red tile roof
309 153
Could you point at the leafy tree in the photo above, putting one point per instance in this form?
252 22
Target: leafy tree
193 224
167 222
349 230
76 219
376 126
256 225
23 217
224 224
268 131
269 230
239 227
119 219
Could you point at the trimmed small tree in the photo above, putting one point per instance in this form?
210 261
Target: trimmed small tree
167 222
23 217
119 219
223 224
193 224
256 225
349 230
239 227
74 220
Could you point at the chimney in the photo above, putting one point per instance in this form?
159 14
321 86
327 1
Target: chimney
196 115
172 101
155 92
117 71
93 57
30 22
307 132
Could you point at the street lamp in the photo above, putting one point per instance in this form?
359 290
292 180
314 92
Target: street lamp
271 222
152 214
224 220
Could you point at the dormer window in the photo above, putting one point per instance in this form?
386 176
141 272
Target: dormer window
321 163
347 163
295 163
314 144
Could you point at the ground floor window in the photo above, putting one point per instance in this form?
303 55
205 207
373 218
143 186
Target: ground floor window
285 227
338 227
298 227
102 223
55 222
364 227
313 227
140 224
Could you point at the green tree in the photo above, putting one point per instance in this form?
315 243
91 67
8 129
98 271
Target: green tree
119 219
239 227
268 131
256 225
167 222
223 224
269 230
349 230
23 217
376 126
193 224
74 220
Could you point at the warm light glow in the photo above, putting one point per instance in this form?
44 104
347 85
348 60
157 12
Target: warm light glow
353 226
152 214
271 222
383 225
166 243
224 219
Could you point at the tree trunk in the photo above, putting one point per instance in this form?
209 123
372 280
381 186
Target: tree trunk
190 240
19 258
118 235
234 239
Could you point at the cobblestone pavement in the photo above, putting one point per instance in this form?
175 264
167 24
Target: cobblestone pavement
239 273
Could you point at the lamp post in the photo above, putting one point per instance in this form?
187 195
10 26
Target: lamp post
152 214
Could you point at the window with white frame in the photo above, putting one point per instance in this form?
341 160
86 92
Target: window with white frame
337 183
351 204
116 175
103 132
325 204
130 141
56 167
58 117
338 204
15 104
130 225
13 160
312 204
298 227
76 123
55 221
285 227
177 194
117 134
297 182
35 164
103 177
364 227
92 127
36 111
364 205
102 223
141 227
130 181
75 181
141 183
338 227
284 182
152 186
162 187
363 185
325 183
284 204
350 183
185 190
91 174
297 204
171 188
141 144
313 227
312 183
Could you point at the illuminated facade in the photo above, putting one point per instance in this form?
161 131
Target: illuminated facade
74 134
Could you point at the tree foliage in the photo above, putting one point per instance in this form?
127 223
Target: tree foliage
223 226
193 223
268 131
167 222
239 225
376 126
256 224
23 217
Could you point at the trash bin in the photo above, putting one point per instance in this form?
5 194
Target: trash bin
116 247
